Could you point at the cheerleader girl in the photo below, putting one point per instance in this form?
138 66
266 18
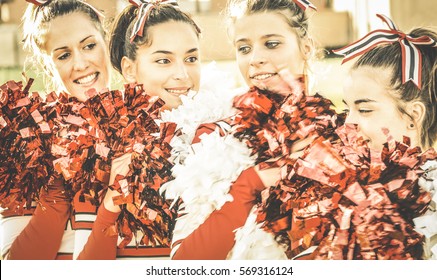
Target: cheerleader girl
143 50
272 47
390 93
67 40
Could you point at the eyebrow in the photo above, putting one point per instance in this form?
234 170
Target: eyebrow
359 101
169 52
65 47
271 35
262 37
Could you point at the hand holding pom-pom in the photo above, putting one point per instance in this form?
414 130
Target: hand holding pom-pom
138 152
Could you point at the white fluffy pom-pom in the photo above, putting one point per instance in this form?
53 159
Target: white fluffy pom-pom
254 243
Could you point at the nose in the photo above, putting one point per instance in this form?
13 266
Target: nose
80 62
258 57
351 118
181 72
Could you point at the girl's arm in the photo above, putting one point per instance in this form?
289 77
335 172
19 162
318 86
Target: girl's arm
41 238
215 237
102 243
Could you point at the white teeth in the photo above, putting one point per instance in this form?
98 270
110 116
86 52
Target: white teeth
87 79
262 76
177 91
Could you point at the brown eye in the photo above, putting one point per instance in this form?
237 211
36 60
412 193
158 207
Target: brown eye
272 44
244 49
64 56
90 46
163 61
192 59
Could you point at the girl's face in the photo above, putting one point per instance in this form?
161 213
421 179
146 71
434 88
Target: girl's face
170 66
79 54
266 44
370 105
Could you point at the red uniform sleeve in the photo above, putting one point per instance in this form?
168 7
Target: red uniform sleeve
215 237
101 245
41 238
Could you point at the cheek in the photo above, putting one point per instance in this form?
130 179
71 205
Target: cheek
243 64
62 72
295 63
367 129
102 59
152 85
398 129
375 131
365 126
145 73
289 54
195 77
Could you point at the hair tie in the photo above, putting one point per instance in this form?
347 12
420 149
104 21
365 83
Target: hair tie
411 55
145 8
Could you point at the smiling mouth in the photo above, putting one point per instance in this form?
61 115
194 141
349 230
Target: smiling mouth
178 92
261 77
87 80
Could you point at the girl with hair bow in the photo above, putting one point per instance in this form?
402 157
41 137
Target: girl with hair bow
67 40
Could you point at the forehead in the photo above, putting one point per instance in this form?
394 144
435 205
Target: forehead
262 23
368 82
69 29
172 36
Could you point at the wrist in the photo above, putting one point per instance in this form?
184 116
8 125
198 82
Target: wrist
108 201
270 176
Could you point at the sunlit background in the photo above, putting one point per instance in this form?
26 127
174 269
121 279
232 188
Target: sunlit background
336 23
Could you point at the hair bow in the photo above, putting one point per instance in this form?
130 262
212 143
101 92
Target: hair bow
145 8
304 4
411 55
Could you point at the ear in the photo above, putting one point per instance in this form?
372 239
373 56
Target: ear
417 110
307 48
128 70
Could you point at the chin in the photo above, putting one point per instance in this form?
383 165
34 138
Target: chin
172 106
97 87
79 93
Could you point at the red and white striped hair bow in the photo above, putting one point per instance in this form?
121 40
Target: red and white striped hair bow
42 2
145 7
411 55
305 4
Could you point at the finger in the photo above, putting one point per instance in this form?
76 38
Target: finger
120 166
296 155
302 144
